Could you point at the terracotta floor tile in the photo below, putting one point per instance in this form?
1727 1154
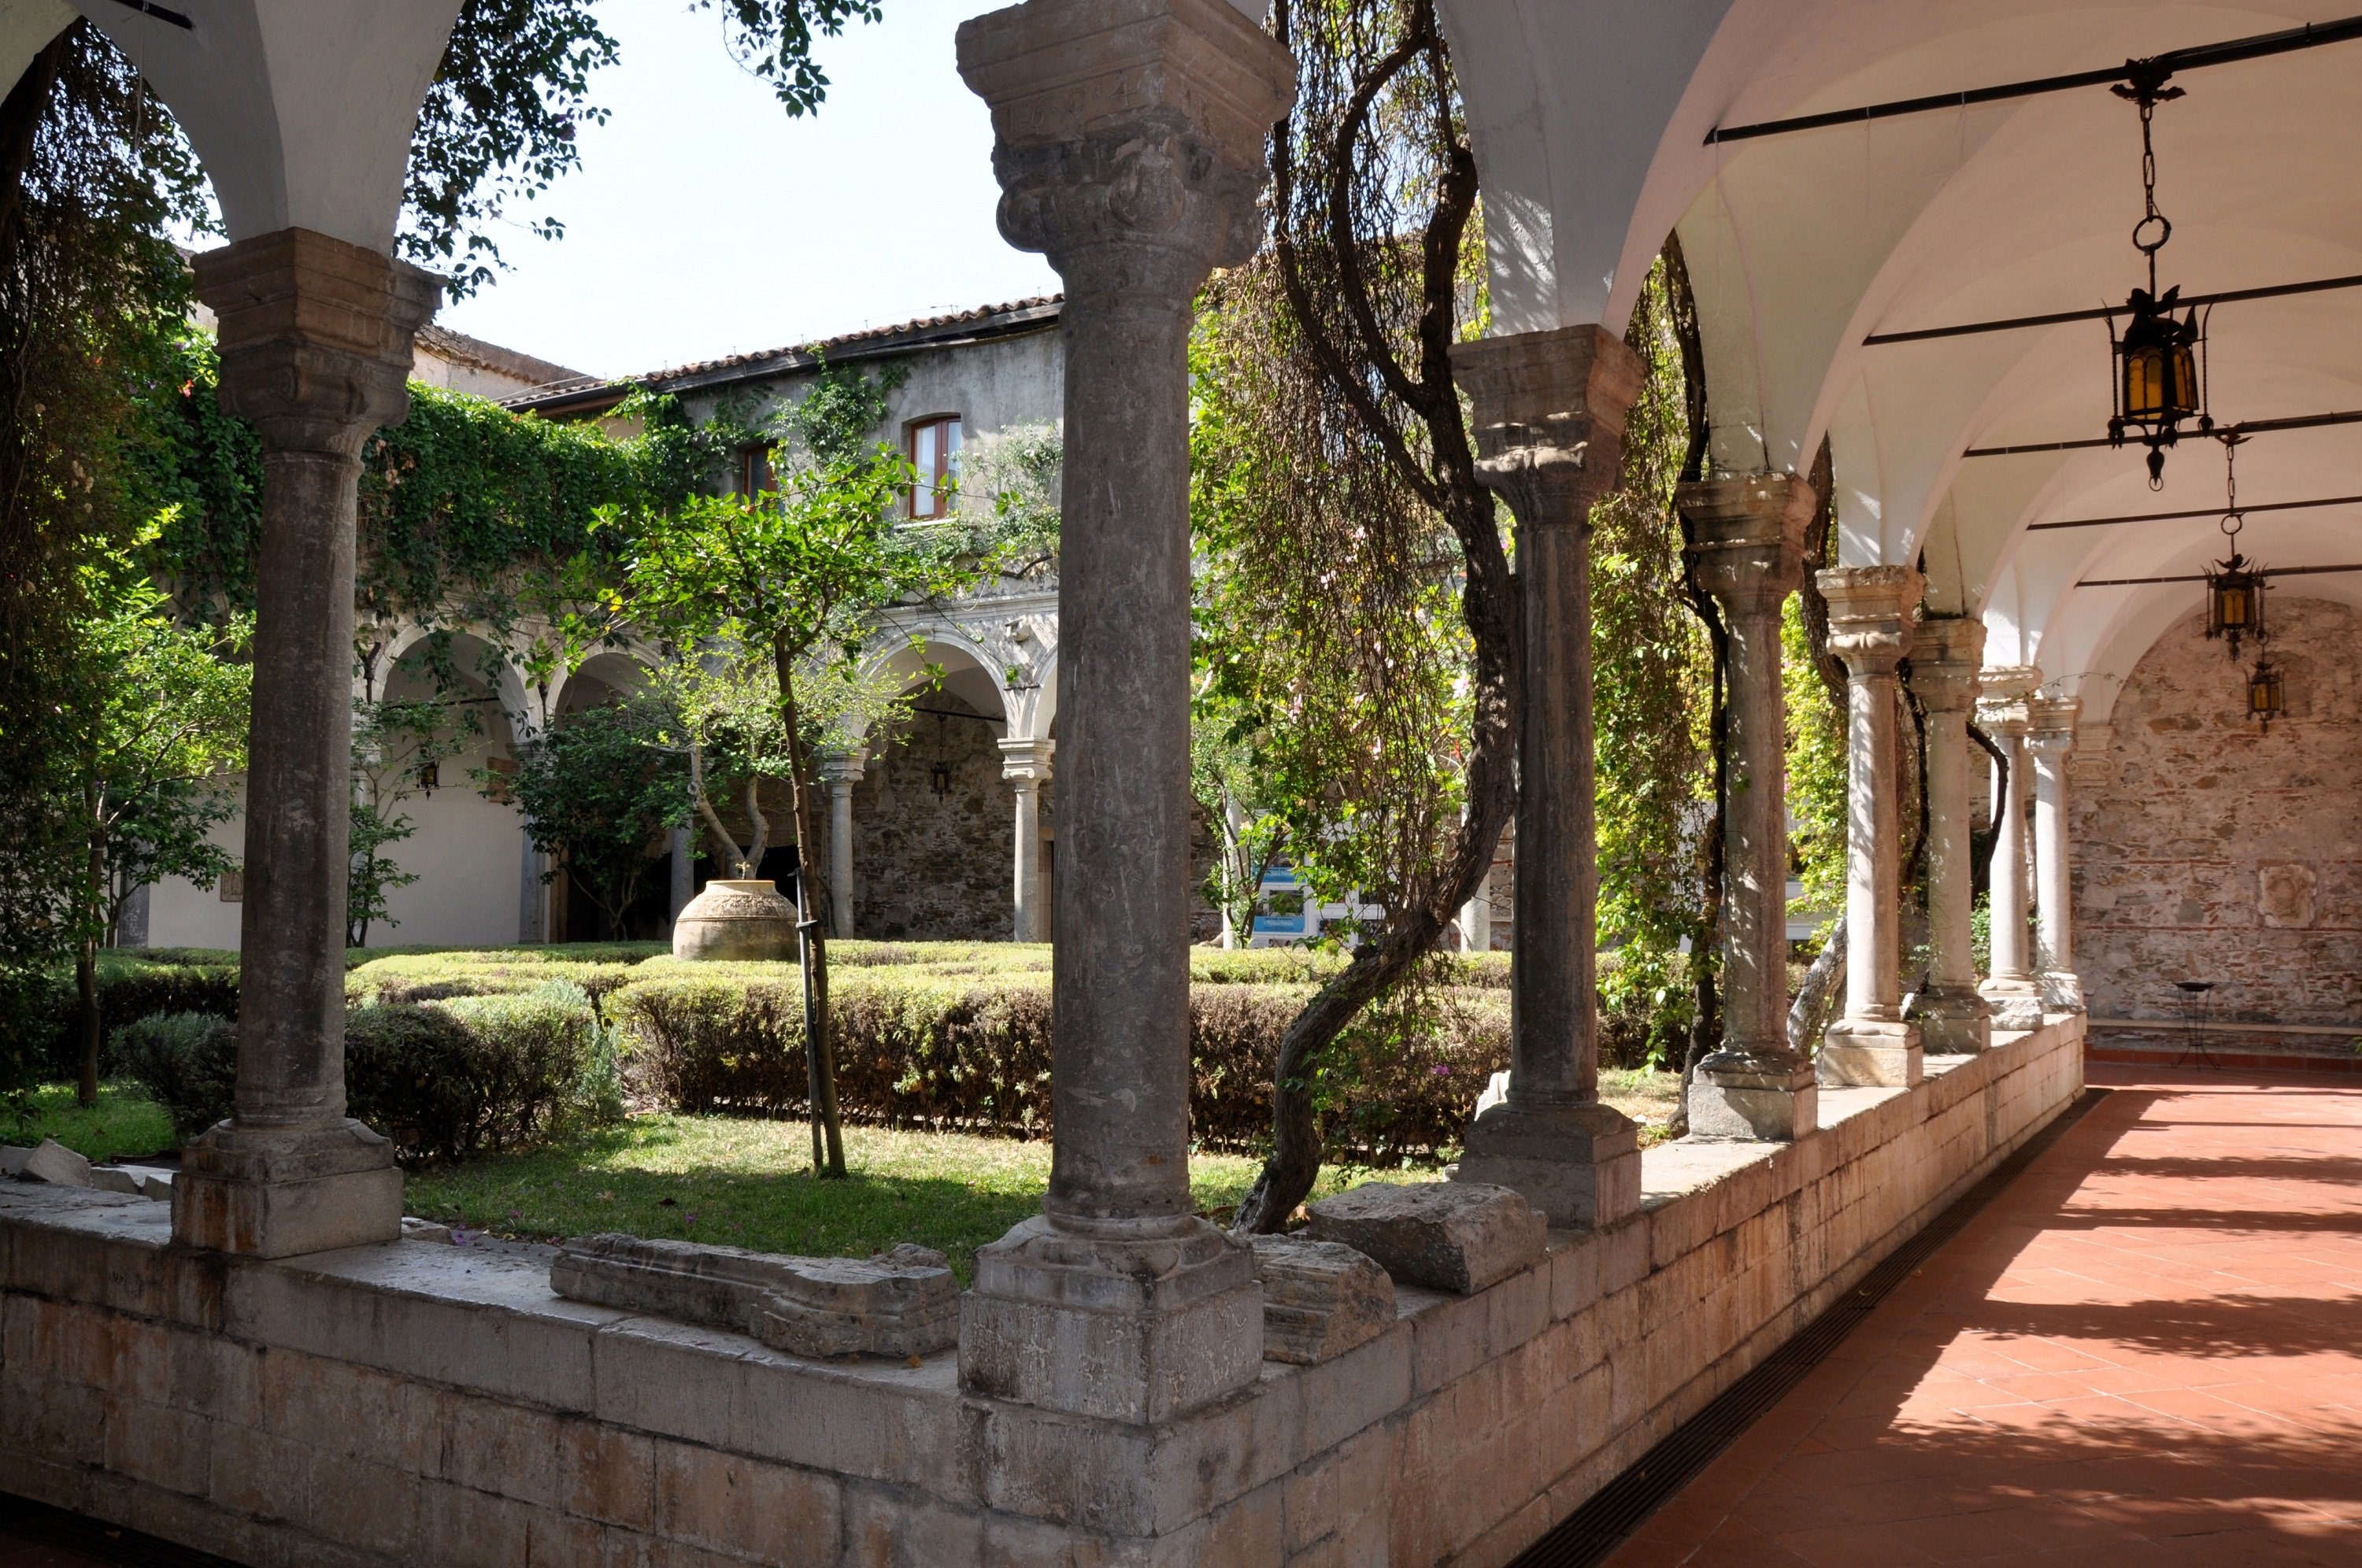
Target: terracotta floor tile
2147 1352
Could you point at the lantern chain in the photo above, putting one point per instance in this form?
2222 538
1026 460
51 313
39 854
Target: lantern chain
2148 89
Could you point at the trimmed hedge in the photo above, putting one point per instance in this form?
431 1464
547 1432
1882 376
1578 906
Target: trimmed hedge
934 1050
443 1080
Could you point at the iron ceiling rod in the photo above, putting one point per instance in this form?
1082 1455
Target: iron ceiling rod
2198 512
2016 322
2311 35
2202 576
2246 427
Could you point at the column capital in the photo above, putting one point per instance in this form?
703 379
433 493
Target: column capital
845 768
1026 761
315 335
1129 125
1947 652
1544 400
2009 683
1750 536
2053 725
1870 611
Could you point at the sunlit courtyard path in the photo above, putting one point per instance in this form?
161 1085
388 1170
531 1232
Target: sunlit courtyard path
2146 1351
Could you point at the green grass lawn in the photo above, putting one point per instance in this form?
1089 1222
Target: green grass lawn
125 1122
747 1184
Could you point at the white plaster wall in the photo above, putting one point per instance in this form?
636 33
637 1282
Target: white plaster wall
181 915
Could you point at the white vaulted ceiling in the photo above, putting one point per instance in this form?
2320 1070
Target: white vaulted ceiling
1591 126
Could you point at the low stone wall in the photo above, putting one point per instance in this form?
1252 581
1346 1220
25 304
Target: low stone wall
423 1402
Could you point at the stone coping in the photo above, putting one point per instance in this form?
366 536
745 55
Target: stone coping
480 1321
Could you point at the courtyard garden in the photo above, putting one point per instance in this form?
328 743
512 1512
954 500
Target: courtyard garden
544 1092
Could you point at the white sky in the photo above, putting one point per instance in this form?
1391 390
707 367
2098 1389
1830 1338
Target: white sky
704 221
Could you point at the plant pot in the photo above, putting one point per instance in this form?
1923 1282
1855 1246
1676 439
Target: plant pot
735 921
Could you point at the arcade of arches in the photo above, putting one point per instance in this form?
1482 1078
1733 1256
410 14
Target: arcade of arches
325 1391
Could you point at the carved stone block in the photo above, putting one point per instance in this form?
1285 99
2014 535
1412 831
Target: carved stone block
1320 1298
1457 1235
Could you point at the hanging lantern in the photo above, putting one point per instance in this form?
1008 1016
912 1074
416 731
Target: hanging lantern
2266 698
2161 359
2235 588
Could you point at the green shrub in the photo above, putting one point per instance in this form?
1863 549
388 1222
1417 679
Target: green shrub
928 1050
443 1080
436 976
133 984
186 1061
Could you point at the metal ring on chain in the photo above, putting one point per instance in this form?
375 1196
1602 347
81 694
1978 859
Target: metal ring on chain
2164 232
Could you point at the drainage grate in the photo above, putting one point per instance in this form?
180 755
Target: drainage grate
1585 1536
100 1545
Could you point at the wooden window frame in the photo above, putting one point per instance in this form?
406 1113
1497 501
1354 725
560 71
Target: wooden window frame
937 482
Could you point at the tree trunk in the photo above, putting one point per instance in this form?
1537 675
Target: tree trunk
811 943
1809 1012
86 1019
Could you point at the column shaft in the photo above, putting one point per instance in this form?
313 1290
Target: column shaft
1870 610
840 856
2052 739
1549 413
2011 989
316 341
1130 151
1025 894
1945 654
1750 547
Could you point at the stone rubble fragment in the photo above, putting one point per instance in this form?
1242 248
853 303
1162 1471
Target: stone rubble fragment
414 1229
114 1179
1320 1298
13 1158
53 1162
899 1303
157 1184
1449 1235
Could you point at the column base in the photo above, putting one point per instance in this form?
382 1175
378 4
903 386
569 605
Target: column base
1771 1098
1953 1021
268 1192
1864 1052
1135 1323
2016 1002
1580 1164
2062 990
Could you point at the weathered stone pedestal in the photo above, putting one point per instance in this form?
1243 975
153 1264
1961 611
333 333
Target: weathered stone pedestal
1749 537
1870 615
1953 1019
316 346
1130 151
1135 1323
1549 410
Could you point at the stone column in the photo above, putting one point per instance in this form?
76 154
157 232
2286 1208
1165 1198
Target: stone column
316 346
1750 535
1953 1019
1869 628
680 846
1550 410
2052 738
1026 765
2011 987
1476 918
533 892
842 770
1130 149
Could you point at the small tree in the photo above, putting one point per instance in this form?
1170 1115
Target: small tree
790 577
158 725
596 787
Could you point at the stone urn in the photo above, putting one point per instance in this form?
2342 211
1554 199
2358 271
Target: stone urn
736 920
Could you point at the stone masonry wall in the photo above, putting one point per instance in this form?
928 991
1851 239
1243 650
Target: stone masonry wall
419 1402
2208 849
933 867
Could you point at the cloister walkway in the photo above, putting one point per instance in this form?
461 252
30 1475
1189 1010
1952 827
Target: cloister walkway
2146 1351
